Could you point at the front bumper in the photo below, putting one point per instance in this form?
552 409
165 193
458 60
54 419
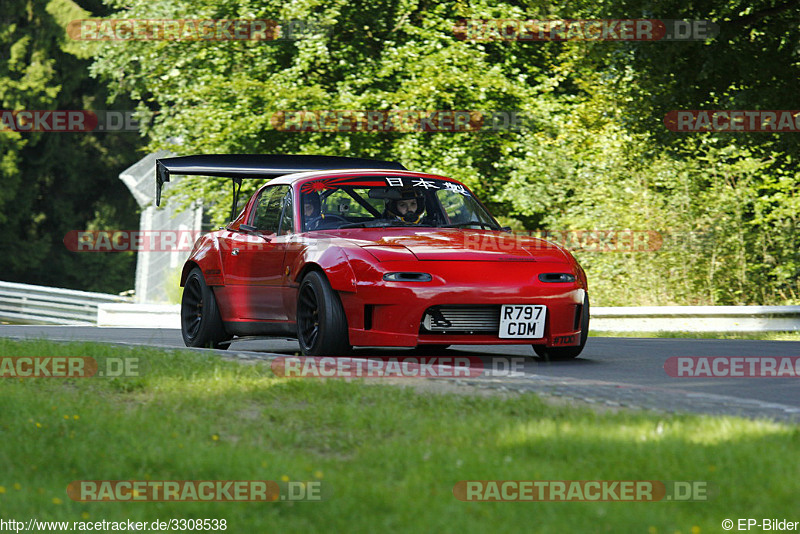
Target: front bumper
381 313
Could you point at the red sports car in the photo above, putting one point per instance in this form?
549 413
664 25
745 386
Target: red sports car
342 252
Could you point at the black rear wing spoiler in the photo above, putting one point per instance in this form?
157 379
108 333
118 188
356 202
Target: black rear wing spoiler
263 166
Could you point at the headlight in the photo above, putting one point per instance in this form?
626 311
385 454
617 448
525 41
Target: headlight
551 278
407 277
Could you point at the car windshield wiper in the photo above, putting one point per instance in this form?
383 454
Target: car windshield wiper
471 223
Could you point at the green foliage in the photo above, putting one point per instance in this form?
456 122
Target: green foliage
56 182
595 155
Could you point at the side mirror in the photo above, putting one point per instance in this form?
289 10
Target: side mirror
246 228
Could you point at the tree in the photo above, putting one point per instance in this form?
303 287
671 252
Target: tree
54 182
594 154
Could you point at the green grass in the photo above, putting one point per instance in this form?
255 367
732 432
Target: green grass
387 457
764 336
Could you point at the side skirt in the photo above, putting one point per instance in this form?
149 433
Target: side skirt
260 328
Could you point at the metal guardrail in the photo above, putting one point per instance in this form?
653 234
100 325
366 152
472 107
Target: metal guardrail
27 303
49 305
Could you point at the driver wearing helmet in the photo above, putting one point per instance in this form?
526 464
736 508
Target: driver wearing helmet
409 207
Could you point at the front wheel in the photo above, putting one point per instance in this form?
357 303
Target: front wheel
321 322
201 325
567 353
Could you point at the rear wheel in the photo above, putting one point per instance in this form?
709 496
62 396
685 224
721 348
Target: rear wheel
321 322
201 325
567 353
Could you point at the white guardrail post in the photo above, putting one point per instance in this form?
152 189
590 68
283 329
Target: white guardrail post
140 315
695 319
25 303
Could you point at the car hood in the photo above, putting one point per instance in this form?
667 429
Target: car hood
453 244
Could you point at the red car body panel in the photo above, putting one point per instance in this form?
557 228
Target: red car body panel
255 278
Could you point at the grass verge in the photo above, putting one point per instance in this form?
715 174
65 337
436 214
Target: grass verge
387 457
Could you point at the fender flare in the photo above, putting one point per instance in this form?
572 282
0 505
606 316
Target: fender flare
334 264
206 256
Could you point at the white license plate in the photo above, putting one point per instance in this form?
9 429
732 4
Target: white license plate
522 321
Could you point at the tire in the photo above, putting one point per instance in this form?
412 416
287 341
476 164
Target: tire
201 325
567 353
321 322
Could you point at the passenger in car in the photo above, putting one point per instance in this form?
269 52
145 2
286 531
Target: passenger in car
312 212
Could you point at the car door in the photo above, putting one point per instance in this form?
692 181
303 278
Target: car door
254 259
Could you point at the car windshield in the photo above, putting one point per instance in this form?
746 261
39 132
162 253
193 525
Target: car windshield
383 201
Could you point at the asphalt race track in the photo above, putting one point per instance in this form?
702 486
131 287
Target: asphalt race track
613 372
